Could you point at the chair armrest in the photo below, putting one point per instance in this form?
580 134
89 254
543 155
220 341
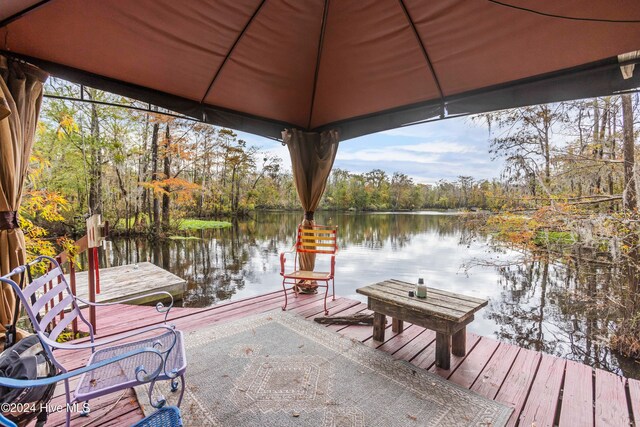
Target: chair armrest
110 340
283 258
16 383
160 307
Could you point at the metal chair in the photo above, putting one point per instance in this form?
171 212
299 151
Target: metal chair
317 239
150 353
107 378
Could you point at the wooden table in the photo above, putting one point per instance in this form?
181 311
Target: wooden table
446 313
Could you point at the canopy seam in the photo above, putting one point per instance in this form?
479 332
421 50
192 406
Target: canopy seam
426 56
233 46
323 27
567 17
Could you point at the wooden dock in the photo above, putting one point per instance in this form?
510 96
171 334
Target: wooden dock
127 281
542 389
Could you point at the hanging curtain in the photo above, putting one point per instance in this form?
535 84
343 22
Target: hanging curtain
312 156
21 89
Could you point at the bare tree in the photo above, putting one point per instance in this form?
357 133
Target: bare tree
630 198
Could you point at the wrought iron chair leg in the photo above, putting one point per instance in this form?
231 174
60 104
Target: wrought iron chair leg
161 400
85 410
326 294
284 288
333 287
182 390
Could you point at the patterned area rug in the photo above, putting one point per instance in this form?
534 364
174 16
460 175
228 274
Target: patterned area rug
277 369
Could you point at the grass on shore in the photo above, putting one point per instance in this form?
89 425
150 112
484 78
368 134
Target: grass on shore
183 225
202 224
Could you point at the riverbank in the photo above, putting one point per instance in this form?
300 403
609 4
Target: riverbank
180 226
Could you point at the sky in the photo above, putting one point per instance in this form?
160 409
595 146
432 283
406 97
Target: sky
426 152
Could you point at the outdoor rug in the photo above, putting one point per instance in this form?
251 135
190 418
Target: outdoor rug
277 369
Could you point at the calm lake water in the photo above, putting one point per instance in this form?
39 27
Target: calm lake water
531 304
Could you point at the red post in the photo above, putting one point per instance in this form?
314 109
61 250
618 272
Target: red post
72 283
94 237
92 289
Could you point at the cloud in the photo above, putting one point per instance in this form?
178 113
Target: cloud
437 147
386 155
427 152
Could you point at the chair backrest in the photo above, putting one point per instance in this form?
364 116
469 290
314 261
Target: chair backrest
318 239
50 297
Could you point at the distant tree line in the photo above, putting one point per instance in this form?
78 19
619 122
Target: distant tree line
144 170
376 190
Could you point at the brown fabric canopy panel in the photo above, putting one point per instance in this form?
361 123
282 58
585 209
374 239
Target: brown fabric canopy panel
359 66
21 88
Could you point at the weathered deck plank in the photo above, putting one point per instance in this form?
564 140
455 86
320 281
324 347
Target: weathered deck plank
336 306
494 373
472 341
416 346
515 388
634 395
397 342
147 316
611 400
470 369
540 407
360 333
577 396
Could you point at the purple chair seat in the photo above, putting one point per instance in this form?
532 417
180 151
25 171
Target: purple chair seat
117 376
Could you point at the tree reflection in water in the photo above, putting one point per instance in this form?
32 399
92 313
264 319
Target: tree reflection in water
536 305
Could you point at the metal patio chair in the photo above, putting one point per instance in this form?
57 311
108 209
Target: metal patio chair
109 378
319 240
149 352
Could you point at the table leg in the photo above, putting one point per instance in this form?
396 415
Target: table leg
443 350
379 323
459 342
397 325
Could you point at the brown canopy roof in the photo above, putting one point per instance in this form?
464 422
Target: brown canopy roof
357 65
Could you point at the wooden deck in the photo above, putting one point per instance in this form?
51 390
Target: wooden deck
542 389
127 281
